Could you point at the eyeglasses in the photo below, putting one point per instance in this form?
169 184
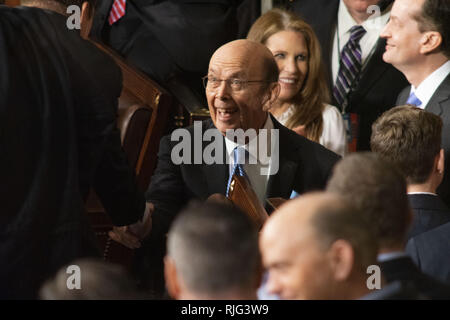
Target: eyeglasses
211 83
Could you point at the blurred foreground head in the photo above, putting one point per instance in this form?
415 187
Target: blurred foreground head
317 247
212 254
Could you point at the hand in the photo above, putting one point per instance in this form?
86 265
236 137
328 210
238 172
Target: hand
131 235
300 130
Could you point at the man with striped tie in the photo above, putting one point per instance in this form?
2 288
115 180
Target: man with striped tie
418 44
363 85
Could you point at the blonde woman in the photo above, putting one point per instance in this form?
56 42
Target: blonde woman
301 104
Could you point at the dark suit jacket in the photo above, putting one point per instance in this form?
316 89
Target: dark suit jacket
169 38
58 100
380 83
431 252
439 104
303 166
403 269
429 212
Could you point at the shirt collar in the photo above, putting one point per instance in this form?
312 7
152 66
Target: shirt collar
429 193
427 87
230 145
382 257
346 21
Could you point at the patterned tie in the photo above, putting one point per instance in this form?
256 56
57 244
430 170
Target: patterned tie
413 100
117 11
350 65
239 154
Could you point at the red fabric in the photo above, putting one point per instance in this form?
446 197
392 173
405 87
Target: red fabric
117 11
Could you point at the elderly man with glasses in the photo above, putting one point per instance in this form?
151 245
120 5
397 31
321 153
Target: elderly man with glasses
241 85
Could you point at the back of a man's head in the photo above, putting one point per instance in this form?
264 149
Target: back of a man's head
90 279
378 190
214 250
410 138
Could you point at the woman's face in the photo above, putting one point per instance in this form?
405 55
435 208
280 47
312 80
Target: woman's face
291 54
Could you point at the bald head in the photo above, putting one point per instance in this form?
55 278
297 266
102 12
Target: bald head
253 54
242 84
317 247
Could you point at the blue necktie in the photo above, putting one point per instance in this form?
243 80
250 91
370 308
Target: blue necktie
413 100
349 66
239 154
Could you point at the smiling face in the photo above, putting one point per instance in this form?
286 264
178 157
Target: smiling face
234 109
290 51
402 35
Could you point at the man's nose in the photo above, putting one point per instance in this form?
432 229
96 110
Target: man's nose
223 91
385 32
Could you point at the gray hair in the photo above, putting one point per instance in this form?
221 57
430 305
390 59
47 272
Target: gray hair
214 248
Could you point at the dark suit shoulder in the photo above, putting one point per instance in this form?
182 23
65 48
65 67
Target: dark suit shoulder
429 212
403 269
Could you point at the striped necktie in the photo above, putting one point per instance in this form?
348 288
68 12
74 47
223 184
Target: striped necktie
413 100
349 66
117 11
239 155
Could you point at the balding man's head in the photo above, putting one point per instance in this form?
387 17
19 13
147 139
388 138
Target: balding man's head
242 84
315 246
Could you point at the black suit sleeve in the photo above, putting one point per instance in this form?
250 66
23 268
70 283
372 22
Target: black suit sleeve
167 189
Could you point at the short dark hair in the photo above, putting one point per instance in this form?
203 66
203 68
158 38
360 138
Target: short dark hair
378 190
214 248
435 16
410 138
344 221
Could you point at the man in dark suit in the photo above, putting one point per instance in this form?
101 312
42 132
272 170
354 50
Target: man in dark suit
241 85
430 251
169 40
377 84
418 44
378 190
59 138
410 138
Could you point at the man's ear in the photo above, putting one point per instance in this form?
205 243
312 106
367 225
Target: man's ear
430 41
342 259
272 94
170 274
440 162
86 19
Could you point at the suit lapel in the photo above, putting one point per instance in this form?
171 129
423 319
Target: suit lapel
374 70
440 99
216 174
281 184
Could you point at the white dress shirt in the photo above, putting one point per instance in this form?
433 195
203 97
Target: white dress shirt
427 87
253 166
373 26
334 136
